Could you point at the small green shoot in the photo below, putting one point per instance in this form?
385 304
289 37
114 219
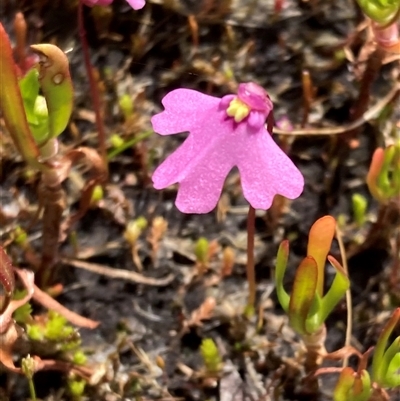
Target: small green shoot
360 205
76 388
126 106
201 251
211 357
28 369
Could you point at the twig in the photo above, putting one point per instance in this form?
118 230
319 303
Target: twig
368 115
349 301
119 273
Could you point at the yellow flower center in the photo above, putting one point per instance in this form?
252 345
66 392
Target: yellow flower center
238 110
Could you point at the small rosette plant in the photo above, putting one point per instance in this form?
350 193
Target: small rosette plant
224 133
353 386
306 306
383 177
385 373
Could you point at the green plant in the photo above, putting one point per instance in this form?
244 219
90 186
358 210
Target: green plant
34 122
361 385
307 307
383 177
386 359
76 387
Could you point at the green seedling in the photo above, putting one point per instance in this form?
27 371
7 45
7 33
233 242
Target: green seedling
386 359
360 205
76 388
55 331
383 177
79 358
134 229
126 105
383 12
211 357
202 253
97 195
307 307
119 145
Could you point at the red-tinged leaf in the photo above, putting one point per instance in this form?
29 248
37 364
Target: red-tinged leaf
7 340
12 107
7 279
373 173
303 293
319 243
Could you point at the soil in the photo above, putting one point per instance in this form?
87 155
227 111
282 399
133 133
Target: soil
147 346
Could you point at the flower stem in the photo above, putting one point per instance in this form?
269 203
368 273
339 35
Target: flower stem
250 271
94 92
32 389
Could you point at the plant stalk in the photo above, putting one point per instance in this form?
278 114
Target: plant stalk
250 268
94 92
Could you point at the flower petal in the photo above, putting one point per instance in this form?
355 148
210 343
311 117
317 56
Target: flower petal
173 167
200 164
265 170
201 188
136 4
184 109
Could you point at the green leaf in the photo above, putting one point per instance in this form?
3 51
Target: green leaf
340 285
35 106
303 293
56 85
280 269
378 368
29 86
391 365
383 12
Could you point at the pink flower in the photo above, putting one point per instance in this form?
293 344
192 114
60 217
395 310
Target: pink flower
224 133
135 4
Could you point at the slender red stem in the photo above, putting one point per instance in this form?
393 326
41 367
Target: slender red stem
94 92
250 269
